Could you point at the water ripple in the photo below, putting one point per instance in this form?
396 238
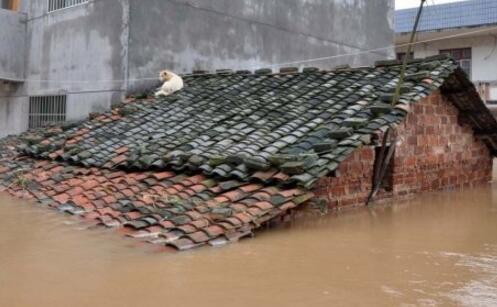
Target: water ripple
481 291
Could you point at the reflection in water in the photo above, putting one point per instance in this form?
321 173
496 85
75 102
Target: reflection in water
439 249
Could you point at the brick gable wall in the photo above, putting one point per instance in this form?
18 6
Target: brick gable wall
435 151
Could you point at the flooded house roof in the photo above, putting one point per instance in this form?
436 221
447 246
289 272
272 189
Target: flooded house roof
249 126
229 152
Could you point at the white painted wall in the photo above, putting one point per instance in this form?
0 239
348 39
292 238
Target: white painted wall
493 93
13 115
484 53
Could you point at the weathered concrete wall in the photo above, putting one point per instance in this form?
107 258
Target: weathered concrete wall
13 44
13 115
247 34
435 151
76 51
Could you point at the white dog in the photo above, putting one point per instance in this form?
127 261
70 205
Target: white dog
172 83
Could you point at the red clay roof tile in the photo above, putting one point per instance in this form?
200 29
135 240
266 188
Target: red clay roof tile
90 184
214 231
61 198
198 237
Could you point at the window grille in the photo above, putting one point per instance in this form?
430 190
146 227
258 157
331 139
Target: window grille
54 5
46 110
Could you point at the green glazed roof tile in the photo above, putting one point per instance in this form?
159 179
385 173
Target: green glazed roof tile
235 125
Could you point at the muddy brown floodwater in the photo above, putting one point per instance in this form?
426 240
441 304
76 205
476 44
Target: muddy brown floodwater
437 250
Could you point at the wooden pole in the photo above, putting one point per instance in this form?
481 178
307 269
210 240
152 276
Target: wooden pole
406 57
384 161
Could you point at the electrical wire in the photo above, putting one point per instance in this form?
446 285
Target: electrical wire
284 64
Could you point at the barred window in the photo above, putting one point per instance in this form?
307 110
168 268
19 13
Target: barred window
46 110
54 5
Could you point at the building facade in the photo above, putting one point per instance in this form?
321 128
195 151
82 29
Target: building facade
68 58
466 30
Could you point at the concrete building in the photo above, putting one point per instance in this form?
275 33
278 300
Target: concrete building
68 58
466 30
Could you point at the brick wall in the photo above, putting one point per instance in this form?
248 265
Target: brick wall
353 183
434 151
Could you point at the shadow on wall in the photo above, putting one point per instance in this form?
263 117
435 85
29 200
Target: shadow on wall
493 109
494 171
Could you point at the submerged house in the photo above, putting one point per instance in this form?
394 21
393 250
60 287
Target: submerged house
234 150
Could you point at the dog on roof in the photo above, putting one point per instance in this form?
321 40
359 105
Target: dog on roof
172 83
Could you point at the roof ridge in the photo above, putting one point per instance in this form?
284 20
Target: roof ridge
287 70
395 62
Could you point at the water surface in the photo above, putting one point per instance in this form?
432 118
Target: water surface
437 250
